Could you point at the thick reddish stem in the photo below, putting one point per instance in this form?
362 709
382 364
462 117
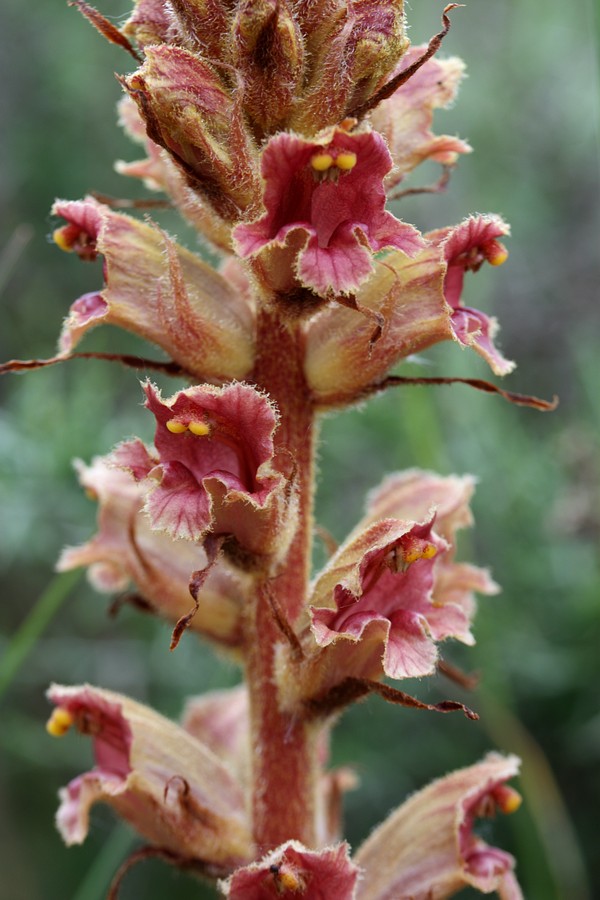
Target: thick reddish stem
285 768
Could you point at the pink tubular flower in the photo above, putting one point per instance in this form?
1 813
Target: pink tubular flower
156 289
294 871
127 551
391 592
405 118
389 581
214 471
466 247
427 849
382 595
325 213
167 784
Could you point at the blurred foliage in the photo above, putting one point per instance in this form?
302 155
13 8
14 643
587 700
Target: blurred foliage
530 109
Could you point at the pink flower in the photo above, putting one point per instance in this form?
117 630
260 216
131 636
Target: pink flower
391 593
405 118
325 213
466 247
383 597
294 871
426 848
387 584
127 551
214 470
167 784
156 289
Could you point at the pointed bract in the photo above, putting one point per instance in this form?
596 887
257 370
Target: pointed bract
189 111
159 172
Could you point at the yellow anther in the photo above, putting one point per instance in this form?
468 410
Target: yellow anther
59 722
199 428
176 427
321 162
425 551
499 257
508 799
59 237
345 161
91 494
289 881
348 124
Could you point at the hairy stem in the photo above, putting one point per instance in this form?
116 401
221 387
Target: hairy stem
285 771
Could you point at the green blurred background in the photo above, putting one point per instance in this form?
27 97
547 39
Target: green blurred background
530 109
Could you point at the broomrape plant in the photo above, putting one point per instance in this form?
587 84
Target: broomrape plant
280 130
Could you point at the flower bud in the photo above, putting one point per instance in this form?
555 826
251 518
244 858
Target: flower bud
269 57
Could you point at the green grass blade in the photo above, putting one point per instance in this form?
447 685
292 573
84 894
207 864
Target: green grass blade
34 625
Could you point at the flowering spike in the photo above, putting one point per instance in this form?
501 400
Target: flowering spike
252 116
